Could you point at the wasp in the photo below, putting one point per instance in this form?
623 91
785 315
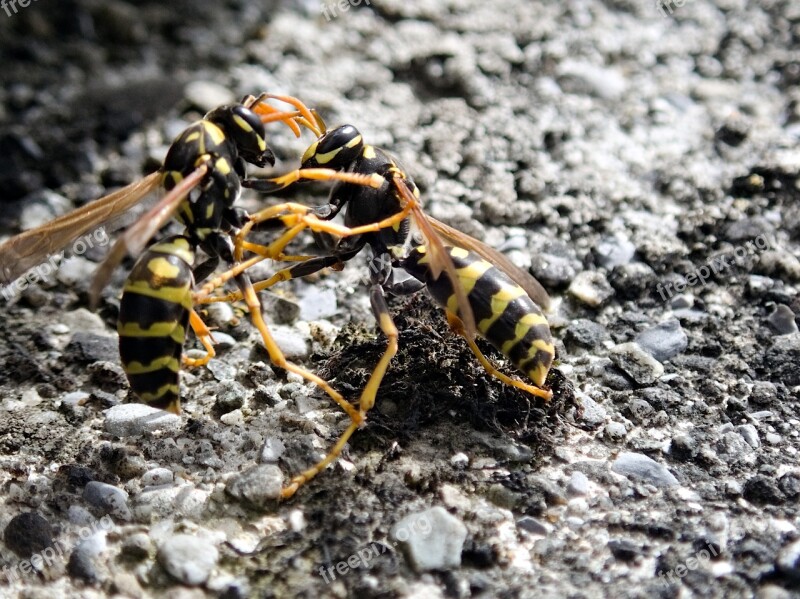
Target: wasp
202 174
482 291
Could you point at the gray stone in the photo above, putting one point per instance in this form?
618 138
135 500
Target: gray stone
614 251
27 534
188 559
292 343
636 363
129 420
749 434
640 467
272 450
663 341
534 526
590 287
157 476
578 485
108 499
259 485
432 539
782 319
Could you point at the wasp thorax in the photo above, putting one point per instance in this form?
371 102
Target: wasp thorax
337 149
245 129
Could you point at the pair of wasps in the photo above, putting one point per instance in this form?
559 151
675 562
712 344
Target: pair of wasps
482 292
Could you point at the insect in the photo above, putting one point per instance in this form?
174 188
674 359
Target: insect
202 174
482 291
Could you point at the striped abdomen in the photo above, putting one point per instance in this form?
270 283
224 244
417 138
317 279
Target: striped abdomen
153 316
504 314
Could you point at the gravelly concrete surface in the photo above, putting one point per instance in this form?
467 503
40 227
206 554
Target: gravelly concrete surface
640 158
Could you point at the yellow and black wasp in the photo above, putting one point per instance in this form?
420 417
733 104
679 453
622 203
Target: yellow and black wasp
483 293
202 173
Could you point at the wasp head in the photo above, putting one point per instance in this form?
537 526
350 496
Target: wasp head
336 149
245 129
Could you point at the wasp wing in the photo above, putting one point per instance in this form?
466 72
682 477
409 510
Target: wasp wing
531 286
136 237
31 248
440 259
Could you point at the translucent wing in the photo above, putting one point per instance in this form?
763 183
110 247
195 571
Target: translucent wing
30 248
136 237
440 259
531 286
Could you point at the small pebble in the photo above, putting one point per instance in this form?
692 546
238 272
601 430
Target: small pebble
663 341
59 329
222 371
234 418
459 460
578 485
230 396
317 302
585 333
640 467
615 431
614 251
157 476
782 319
593 413
631 281
281 309
220 314
259 485
432 539
128 420
75 269
643 368
297 521
28 534
781 359
292 343
272 450
554 272
74 399
188 559
789 560
223 341
591 288
41 207
82 560
91 347
749 434
534 526
170 501
108 498
684 301
80 516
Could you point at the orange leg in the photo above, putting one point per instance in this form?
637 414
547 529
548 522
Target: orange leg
306 117
204 335
367 400
277 358
458 327
298 219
